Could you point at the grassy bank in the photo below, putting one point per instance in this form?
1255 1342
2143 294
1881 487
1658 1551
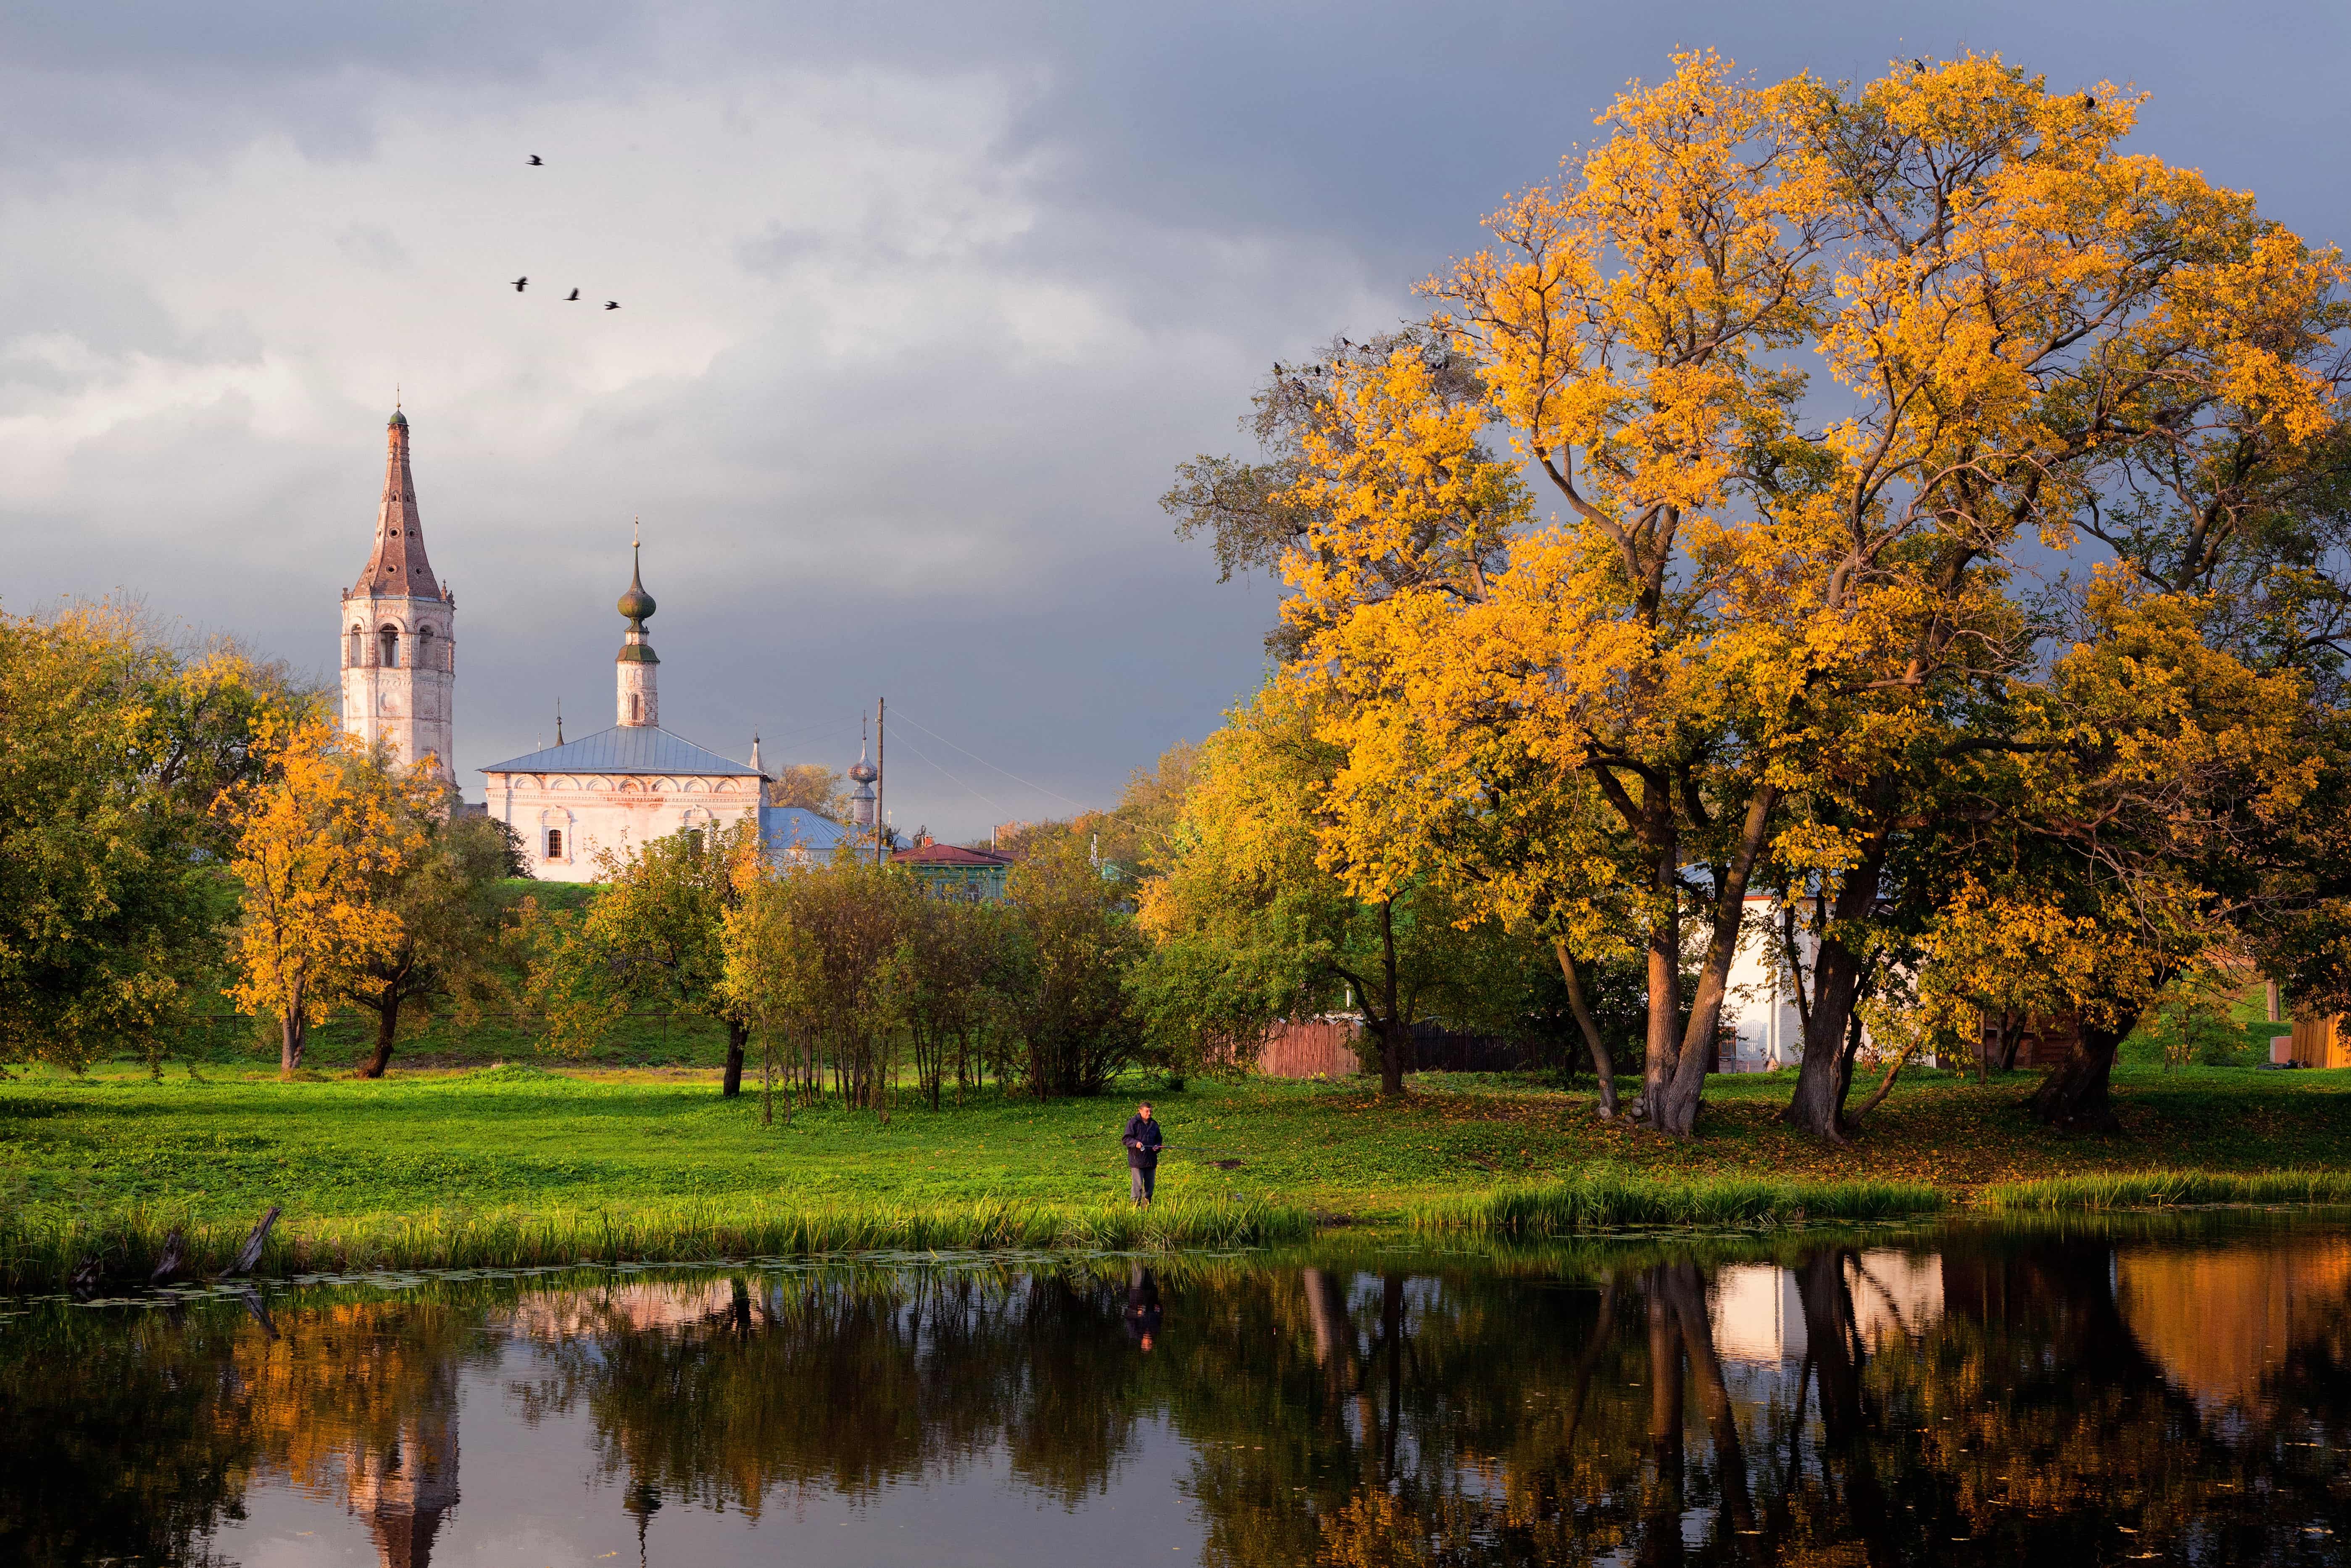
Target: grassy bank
2167 1188
519 1164
42 1250
1611 1199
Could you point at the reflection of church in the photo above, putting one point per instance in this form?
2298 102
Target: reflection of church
614 789
403 1490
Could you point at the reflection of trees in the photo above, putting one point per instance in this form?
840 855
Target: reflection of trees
844 1384
1455 1415
119 1441
133 1439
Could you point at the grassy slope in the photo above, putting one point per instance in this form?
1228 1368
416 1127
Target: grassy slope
522 1140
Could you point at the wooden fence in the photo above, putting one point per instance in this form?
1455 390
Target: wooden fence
1310 1048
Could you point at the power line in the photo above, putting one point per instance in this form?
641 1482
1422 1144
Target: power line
960 783
984 762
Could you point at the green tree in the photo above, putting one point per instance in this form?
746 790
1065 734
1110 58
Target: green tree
1072 942
654 936
450 923
809 958
1254 919
114 749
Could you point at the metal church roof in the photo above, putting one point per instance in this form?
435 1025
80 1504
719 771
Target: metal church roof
795 833
626 748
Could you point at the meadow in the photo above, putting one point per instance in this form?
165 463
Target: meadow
526 1163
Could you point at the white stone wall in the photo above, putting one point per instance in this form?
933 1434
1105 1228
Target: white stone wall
593 813
1758 1009
639 693
412 704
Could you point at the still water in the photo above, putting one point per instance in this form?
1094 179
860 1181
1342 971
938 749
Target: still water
2169 1390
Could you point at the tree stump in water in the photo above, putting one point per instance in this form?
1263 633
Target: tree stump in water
174 1258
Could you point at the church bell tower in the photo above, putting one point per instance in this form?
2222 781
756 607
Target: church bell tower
400 647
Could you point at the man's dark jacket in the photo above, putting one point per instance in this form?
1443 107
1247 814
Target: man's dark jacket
1141 1140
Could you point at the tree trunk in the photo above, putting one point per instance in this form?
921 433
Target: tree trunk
1602 1064
387 1027
1394 1044
737 1036
1660 1043
293 1035
1818 1104
1675 1113
2073 1095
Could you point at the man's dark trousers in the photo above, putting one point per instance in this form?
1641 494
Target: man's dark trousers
1143 1139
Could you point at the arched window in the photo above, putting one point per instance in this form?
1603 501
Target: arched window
425 660
358 647
390 638
555 843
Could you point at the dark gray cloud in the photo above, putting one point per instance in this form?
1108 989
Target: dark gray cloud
922 304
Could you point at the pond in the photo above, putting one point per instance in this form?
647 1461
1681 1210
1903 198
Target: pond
2173 1389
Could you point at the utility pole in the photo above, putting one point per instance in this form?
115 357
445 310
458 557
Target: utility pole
881 779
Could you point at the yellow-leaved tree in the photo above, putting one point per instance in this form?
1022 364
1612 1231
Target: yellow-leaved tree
1802 365
318 843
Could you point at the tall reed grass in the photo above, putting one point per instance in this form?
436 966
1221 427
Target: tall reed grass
42 1249
1610 1200
2167 1188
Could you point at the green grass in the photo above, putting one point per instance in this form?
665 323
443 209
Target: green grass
2167 1188
44 1248
1611 1199
521 1163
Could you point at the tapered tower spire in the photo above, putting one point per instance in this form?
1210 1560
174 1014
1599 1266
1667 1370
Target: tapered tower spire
398 567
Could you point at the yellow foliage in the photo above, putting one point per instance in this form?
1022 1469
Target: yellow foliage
317 844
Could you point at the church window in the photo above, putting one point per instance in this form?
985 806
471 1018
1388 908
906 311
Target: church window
555 843
390 637
425 660
358 647
633 713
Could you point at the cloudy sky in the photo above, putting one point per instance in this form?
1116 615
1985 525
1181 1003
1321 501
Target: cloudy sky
921 303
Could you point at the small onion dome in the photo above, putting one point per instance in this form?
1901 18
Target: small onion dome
636 604
398 421
863 771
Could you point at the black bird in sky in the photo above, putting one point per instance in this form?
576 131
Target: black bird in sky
573 295
1917 65
520 282
537 162
612 304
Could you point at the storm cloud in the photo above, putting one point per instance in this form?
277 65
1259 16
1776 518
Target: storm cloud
921 303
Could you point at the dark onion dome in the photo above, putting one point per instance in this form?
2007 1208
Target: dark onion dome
636 604
398 421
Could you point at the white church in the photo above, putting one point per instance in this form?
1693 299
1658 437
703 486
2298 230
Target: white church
616 789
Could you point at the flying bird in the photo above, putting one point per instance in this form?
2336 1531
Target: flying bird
573 295
612 304
520 282
537 162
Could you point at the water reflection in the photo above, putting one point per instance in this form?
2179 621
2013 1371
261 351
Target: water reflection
2181 1390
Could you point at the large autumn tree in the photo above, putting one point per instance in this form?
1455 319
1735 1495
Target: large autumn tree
1800 366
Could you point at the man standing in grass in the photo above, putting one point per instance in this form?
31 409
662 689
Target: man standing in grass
1143 1140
